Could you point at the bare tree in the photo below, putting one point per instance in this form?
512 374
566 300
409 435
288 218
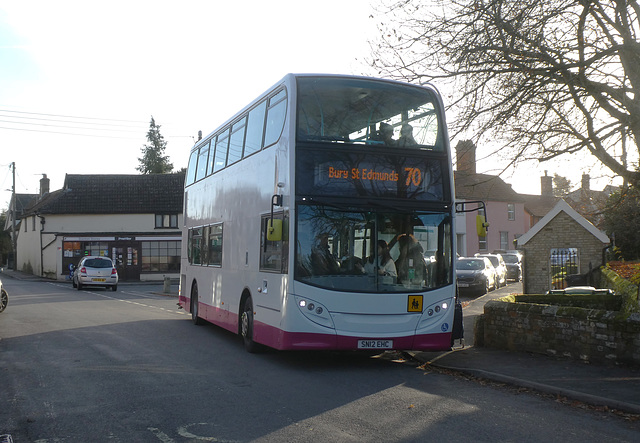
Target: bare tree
542 78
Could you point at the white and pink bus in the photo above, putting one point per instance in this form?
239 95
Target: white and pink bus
321 216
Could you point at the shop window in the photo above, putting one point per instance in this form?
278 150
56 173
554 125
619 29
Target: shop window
97 248
161 256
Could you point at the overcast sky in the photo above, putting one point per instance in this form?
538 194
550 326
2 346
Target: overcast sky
80 80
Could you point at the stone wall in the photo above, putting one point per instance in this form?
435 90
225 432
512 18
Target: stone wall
561 232
580 334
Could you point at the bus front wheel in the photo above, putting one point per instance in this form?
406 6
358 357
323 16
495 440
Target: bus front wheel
194 305
247 326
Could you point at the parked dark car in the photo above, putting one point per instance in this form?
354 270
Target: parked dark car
514 266
475 274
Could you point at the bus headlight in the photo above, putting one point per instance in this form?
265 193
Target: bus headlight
314 311
433 313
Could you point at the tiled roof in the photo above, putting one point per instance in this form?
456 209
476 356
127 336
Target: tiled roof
563 206
539 205
114 194
471 186
23 201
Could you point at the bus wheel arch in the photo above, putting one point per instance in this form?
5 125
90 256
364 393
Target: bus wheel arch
245 328
194 304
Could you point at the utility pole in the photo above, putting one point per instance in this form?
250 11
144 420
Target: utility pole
14 238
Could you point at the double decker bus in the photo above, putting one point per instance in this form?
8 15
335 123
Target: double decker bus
321 217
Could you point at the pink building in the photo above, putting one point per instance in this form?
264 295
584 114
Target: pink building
506 213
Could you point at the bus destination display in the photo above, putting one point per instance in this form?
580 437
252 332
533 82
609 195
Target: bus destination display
355 175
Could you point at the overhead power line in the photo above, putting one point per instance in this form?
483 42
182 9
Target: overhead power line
70 127
68 133
71 116
95 127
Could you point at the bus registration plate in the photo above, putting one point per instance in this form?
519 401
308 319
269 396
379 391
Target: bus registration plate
375 344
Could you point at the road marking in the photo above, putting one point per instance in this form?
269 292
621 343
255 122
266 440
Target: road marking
144 305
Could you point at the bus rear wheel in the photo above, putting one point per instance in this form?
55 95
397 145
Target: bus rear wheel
247 326
194 305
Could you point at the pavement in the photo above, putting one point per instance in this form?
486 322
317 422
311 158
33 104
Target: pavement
613 387
608 387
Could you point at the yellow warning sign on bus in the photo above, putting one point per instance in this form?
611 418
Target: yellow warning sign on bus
415 303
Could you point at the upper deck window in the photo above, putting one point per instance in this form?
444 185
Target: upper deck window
339 110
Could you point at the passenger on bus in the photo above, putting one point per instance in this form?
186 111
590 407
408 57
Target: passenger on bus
323 262
382 264
385 134
406 136
410 263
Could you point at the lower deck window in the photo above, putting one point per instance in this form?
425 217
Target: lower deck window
274 252
205 245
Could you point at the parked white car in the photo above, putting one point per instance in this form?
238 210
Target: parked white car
95 271
501 268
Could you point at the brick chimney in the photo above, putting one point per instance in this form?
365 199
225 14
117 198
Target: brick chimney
546 185
466 157
44 185
586 186
585 182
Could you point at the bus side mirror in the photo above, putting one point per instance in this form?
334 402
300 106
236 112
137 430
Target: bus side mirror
274 229
481 226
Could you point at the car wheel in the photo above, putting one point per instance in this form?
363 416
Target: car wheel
73 282
114 288
78 285
4 300
194 305
247 327
486 287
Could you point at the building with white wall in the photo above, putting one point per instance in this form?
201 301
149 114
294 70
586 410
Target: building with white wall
134 219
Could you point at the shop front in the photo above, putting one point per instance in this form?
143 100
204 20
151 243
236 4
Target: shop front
136 258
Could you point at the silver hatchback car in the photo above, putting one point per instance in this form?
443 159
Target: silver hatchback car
95 271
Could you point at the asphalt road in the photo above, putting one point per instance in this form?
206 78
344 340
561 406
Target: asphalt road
129 366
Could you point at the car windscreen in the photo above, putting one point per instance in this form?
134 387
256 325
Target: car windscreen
494 261
470 265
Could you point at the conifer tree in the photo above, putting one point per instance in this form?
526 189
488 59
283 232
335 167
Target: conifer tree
153 160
